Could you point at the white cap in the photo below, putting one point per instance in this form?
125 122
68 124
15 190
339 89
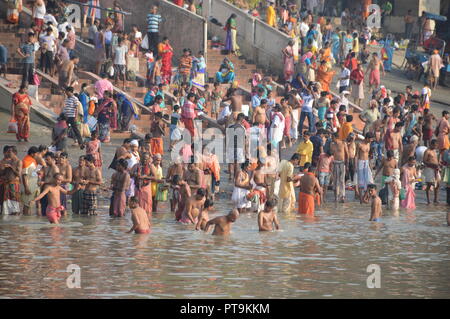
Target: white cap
134 143
345 92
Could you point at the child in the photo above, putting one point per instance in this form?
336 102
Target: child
59 134
157 130
375 212
324 168
141 222
53 193
203 218
216 100
268 218
175 134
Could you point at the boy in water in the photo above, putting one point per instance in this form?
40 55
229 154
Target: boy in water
375 212
222 223
141 222
268 217
203 218
53 192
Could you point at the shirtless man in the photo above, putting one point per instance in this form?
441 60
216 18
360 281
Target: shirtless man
78 178
93 179
393 141
259 115
194 207
66 171
259 184
203 218
53 193
388 165
222 223
67 73
185 193
309 187
340 154
268 217
375 66
236 102
409 149
431 171
176 169
193 177
141 222
48 177
375 212
10 173
120 183
362 165
123 152
427 128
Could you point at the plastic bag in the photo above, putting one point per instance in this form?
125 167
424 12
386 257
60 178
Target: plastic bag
85 131
161 193
144 43
36 79
12 127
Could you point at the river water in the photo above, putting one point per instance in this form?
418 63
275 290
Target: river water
325 257
309 258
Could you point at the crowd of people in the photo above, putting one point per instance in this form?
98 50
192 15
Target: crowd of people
397 139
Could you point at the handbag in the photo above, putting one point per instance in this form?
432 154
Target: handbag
12 127
144 43
91 122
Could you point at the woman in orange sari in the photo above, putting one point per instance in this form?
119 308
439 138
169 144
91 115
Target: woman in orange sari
20 111
324 76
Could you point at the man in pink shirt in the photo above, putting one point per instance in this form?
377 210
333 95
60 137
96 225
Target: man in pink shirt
103 85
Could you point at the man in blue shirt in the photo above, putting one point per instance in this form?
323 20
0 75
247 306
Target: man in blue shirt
126 111
26 51
256 99
153 22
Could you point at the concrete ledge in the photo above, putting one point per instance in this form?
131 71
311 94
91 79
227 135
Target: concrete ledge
39 113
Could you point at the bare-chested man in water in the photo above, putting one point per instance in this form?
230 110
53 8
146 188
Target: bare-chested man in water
222 223
340 153
48 177
388 165
267 219
78 178
194 207
66 170
139 217
53 193
94 180
362 165
431 171
259 115
375 212
203 218
193 177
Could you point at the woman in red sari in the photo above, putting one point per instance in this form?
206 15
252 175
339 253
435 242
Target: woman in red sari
166 52
143 175
20 111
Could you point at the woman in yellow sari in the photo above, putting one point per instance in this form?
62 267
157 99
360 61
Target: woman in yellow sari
271 16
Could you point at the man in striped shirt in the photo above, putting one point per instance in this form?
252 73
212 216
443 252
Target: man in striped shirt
70 111
153 21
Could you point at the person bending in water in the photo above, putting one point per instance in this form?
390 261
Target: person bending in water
375 212
139 217
203 218
268 217
222 223
53 192
194 207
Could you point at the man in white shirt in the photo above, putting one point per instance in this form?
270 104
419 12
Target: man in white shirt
47 41
304 28
344 78
120 62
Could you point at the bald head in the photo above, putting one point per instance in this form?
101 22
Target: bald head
233 215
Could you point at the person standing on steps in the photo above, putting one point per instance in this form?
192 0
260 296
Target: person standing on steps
70 111
26 51
231 40
153 22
